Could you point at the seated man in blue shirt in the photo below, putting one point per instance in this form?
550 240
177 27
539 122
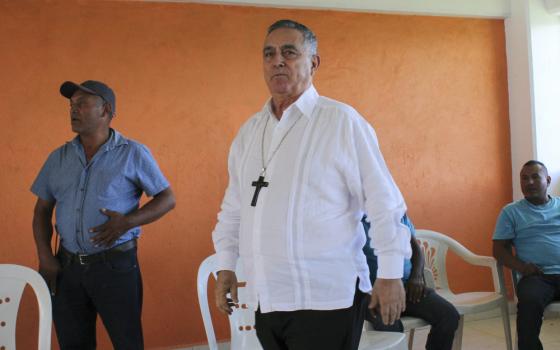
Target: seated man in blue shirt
421 301
532 226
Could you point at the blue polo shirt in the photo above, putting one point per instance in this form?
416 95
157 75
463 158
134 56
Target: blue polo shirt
115 179
372 258
534 231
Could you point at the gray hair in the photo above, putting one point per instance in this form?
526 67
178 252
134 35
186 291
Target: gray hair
309 37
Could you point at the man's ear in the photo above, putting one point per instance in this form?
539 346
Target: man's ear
108 110
548 180
315 62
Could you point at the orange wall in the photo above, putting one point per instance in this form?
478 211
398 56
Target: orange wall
188 75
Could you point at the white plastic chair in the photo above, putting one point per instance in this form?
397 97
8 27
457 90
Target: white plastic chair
374 340
13 279
409 323
551 311
434 246
242 320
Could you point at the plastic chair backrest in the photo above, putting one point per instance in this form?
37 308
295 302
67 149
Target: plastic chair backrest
241 321
13 279
434 245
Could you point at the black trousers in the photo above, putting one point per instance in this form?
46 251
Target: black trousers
534 293
313 329
112 289
438 312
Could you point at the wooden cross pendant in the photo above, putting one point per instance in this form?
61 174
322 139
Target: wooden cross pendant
260 183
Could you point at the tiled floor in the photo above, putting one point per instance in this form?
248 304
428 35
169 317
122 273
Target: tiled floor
488 334
484 334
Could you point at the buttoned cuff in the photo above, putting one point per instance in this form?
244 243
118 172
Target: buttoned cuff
390 266
226 261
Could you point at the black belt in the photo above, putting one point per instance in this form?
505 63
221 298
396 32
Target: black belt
86 259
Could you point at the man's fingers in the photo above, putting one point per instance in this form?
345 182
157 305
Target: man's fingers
373 303
104 238
97 228
233 293
52 286
386 314
108 212
221 302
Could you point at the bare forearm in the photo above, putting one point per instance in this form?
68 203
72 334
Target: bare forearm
153 210
42 227
42 232
502 252
417 259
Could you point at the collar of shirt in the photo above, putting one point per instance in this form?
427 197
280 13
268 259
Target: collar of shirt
305 103
116 139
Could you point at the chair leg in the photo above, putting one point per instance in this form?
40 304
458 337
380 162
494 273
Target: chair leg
410 338
458 340
507 326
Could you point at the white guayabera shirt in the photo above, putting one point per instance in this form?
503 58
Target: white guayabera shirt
301 244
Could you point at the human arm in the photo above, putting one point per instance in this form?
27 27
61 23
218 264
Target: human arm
502 251
385 206
226 233
415 286
118 223
49 266
226 283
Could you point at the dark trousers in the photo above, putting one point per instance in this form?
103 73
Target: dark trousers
438 312
112 288
313 329
534 293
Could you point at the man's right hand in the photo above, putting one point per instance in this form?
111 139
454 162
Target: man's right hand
388 297
226 283
49 267
529 269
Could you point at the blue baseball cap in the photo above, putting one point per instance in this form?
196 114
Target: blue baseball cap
68 88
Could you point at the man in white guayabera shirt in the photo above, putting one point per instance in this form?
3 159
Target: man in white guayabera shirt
302 173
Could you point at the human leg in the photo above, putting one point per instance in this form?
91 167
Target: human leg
313 329
440 314
74 315
534 293
115 287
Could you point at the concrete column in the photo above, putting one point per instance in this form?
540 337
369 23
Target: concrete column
533 54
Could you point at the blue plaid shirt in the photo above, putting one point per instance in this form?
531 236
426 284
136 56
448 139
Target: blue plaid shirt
115 179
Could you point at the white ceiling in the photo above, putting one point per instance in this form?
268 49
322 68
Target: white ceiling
461 8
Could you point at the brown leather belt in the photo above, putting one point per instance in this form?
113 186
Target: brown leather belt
86 259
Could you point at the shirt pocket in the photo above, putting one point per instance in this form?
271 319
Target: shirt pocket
111 186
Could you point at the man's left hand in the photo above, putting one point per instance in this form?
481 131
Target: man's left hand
109 232
415 289
388 298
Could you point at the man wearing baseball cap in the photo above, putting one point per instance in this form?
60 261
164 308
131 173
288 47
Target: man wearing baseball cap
95 183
